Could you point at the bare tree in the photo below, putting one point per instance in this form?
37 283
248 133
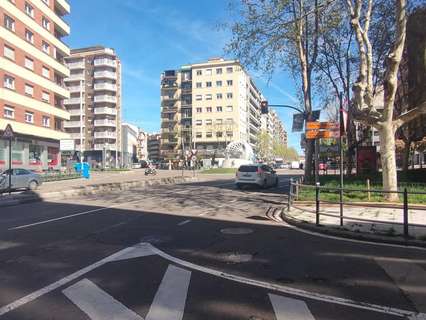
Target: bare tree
385 122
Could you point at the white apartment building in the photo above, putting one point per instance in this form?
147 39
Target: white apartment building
130 144
95 103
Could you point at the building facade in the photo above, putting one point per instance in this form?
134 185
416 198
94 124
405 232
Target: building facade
32 69
142 148
95 104
205 106
130 143
153 146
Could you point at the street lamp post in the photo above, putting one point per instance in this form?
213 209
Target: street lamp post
81 122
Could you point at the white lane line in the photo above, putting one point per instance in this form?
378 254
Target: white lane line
169 301
290 309
409 277
293 291
96 303
184 222
71 216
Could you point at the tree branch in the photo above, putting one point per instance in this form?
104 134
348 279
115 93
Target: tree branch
410 115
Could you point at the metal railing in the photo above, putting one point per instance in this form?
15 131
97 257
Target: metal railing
296 185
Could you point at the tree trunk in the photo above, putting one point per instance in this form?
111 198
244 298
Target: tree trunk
309 158
388 159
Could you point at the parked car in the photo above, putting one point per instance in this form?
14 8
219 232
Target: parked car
20 179
294 165
260 175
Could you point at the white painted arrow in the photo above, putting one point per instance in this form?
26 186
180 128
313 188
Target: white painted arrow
290 309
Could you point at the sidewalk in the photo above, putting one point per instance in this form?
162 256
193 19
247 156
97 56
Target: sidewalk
390 221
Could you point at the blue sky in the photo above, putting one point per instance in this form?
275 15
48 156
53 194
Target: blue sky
152 36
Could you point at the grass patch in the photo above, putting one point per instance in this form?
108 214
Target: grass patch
220 171
60 177
307 193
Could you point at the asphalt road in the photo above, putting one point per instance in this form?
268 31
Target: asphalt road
194 251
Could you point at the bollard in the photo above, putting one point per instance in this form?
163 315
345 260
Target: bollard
317 202
405 212
289 194
368 190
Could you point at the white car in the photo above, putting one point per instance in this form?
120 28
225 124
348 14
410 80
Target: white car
256 174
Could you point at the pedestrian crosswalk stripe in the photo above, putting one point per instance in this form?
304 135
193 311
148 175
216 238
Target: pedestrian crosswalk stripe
169 301
96 303
290 309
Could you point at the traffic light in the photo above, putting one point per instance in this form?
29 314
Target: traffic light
264 107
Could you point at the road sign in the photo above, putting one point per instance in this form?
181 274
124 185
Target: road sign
67 145
316 134
329 149
298 122
8 132
315 125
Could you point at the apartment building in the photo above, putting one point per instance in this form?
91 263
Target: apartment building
274 127
130 143
95 104
32 70
142 149
206 106
154 147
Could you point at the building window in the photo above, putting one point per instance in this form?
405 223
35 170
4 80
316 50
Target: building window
208 72
219 109
9 23
229 70
219 96
35 152
46 121
199 110
46 47
199 85
29 36
208 96
229 95
8 112
29 89
229 134
219 134
229 108
209 134
29 117
199 122
208 84
209 122
209 109
219 121
29 10
218 83
229 121
219 71
199 135
46 2
45 72
229 83
198 97
9 82
45 96
8 52
199 72
45 23
29 63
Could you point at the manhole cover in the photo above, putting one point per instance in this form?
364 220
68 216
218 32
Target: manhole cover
236 231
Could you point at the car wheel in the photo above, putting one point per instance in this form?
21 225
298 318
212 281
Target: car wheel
32 185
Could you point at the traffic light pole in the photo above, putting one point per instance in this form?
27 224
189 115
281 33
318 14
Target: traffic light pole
287 106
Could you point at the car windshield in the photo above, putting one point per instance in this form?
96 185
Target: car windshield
247 169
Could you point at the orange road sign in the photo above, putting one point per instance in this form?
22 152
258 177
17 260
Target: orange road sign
326 134
312 125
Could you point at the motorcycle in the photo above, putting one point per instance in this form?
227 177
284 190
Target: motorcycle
149 171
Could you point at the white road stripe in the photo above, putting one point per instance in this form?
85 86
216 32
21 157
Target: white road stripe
290 309
169 301
184 222
96 303
409 277
71 215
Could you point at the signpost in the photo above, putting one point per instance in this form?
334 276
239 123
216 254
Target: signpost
9 134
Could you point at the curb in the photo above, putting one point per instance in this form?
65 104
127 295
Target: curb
91 190
365 204
337 232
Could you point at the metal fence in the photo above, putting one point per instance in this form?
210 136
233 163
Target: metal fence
296 185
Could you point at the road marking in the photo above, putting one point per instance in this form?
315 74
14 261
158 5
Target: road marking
184 222
169 301
409 277
96 303
71 216
290 309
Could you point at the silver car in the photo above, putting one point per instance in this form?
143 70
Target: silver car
21 179
256 174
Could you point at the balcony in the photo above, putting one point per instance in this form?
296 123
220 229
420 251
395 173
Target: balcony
105 62
169 142
72 124
105 87
75 77
76 65
74 112
169 98
75 88
105 123
75 135
106 98
104 110
72 101
106 146
105 135
105 74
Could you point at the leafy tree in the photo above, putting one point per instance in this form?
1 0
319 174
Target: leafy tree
264 146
